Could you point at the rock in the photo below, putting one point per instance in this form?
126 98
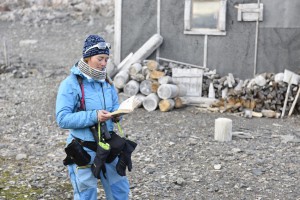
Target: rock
180 181
81 7
236 150
192 141
257 172
287 138
24 43
21 156
217 166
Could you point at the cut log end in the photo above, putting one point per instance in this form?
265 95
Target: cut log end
131 88
152 65
178 103
166 105
121 79
150 103
154 87
135 68
156 74
169 91
145 87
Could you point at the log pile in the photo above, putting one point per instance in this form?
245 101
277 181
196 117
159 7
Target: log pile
268 94
264 95
151 82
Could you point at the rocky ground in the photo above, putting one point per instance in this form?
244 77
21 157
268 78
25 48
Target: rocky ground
177 156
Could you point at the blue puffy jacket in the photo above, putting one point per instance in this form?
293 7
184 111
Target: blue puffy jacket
98 96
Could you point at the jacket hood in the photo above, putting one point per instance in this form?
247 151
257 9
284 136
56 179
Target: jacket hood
75 70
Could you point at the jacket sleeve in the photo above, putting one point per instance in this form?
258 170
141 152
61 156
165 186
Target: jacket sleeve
66 105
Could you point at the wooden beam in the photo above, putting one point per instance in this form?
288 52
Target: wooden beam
294 102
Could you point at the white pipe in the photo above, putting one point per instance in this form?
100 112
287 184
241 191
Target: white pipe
205 52
5 53
256 39
158 26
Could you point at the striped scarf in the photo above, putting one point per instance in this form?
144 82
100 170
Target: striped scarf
91 72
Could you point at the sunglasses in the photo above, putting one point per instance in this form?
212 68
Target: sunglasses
101 45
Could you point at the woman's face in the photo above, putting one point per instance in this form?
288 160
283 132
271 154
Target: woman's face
98 61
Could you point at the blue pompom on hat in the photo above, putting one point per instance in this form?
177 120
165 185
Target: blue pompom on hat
91 41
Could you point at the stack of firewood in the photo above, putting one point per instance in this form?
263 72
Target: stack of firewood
266 93
151 83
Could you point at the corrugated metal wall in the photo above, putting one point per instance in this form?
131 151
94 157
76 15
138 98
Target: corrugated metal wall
278 39
138 24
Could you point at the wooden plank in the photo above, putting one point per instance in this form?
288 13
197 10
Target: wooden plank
187 14
222 15
294 102
286 97
197 100
250 12
191 79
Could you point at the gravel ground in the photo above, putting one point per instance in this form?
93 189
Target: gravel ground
177 156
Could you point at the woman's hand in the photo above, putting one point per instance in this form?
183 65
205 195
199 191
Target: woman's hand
103 115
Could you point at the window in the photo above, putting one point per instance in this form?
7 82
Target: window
205 17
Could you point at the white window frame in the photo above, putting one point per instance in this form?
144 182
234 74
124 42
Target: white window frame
220 30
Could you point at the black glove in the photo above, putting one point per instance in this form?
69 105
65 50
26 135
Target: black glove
125 158
99 161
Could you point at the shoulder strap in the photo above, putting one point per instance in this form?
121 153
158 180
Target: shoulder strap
80 81
82 102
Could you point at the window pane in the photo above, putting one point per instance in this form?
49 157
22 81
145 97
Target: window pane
205 13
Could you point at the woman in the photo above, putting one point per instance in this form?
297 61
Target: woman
100 99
